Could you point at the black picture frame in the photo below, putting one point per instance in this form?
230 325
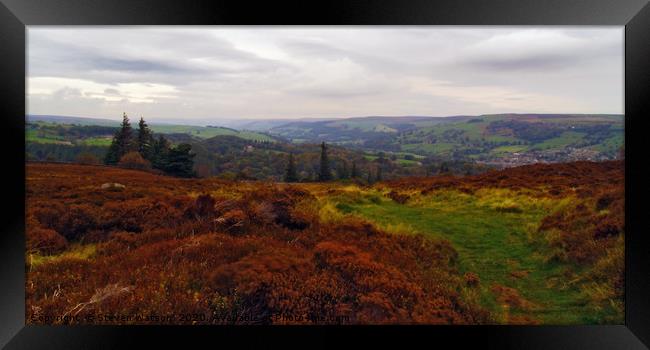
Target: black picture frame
15 15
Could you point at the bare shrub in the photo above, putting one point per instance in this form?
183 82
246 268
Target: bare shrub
133 160
87 159
45 241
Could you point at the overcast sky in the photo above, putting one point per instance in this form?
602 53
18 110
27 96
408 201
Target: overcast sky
212 73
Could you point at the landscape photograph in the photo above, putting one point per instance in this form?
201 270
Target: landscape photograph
215 175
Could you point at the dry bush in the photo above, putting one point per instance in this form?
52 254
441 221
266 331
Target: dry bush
585 230
203 207
398 197
75 221
45 241
87 159
472 279
133 160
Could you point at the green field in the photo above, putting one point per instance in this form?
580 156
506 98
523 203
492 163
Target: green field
208 132
97 141
567 138
485 137
494 234
431 148
33 136
50 132
508 149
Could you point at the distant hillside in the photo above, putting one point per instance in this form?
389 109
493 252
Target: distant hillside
194 130
233 157
499 140
58 119
488 138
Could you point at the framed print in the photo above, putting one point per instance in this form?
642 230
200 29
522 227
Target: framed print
467 172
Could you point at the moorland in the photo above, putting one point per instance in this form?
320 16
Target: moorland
534 244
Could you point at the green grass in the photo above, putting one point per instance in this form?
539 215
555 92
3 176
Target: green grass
492 243
509 149
610 145
567 138
407 162
75 251
501 138
432 148
415 156
97 141
33 136
206 132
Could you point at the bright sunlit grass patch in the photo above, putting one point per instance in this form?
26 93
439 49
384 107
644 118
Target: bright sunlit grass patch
398 228
76 251
330 213
443 199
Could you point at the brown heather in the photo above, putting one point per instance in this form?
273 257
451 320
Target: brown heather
254 252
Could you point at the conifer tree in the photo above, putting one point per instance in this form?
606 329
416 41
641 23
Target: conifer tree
370 180
179 161
159 152
342 170
378 177
324 173
354 173
126 142
444 168
291 175
145 140
122 142
113 154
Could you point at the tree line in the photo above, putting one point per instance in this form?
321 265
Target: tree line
325 172
144 151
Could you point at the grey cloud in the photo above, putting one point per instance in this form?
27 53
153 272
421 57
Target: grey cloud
116 64
534 63
67 92
169 62
318 72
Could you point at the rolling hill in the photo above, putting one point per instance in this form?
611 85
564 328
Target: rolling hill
45 121
410 145
487 138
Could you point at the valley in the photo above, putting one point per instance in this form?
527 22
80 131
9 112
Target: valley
400 146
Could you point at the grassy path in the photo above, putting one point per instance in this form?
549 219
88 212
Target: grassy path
492 244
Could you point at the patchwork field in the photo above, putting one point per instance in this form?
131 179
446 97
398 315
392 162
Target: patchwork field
540 244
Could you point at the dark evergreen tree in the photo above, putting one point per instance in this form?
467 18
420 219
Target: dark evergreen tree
291 175
370 179
324 173
378 177
381 158
159 153
355 172
179 161
444 168
342 170
122 142
126 141
145 140
113 153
